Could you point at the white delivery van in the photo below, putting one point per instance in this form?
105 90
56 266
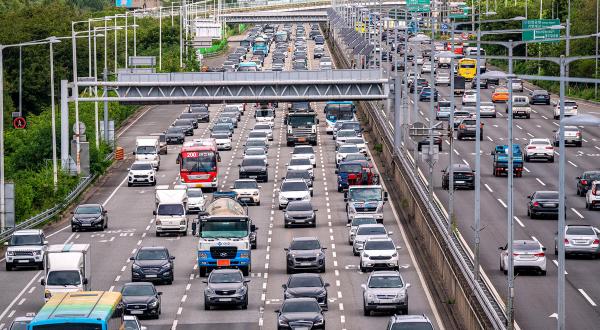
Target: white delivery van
170 214
147 149
68 269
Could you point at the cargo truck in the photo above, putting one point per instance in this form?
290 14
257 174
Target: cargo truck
147 149
68 269
500 160
170 213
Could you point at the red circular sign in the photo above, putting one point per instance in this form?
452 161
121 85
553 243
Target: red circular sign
19 123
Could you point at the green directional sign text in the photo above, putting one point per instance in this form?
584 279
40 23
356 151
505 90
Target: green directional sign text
536 29
418 6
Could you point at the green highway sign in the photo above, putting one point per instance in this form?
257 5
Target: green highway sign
418 6
459 11
540 35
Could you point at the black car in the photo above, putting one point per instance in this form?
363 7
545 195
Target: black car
398 66
153 264
300 313
254 168
319 40
89 216
226 128
468 128
186 125
174 135
191 116
420 84
300 213
305 253
306 285
437 141
542 203
539 96
483 83
141 299
299 66
202 111
584 182
226 287
464 177
300 174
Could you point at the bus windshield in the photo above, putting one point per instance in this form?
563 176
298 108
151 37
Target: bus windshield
69 326
224 229
205 161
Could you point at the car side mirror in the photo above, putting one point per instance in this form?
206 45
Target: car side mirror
578 178
43 282
407 285
172 258
132 258
5 243
345 199
326 285
154 212
276 311
337 171
284 286
348 225
159 293
529 196
253 228
45 243
72 212
286 249
205 281
501 248
85 281
364 286
390 233
543 248
323 248
128 169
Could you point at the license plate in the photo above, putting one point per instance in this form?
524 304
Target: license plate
301 139
252 176
223 262
225 299
305 264
460 182
578 241
86 224
151 276
137 312
549 205
23 261
300 221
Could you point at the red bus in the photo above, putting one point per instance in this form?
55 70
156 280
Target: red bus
198 166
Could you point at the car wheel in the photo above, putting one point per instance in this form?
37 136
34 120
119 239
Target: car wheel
202 271
288 270
543 273
245 270
355 252
206 306
527 159
551 160
73 229
366 312
556 251
9 267
129 184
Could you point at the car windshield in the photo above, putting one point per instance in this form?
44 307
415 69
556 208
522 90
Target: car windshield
303 150
379 245
224 229
297 175
138 290
175 130
141 166
363 221
262 127
304 306
131 325
205 161
300 161
386 281
365 194
18 240
299 206
257 134
63 277
264 113
305 245
222 127
182 122
348 149
152 254
245 185
350 168
355 141
255 152
412 326
355 156
229 108
546 195
378 230
226 277
144 150
253 162
580 230
305 282
192 192
220 136
88 210
170 209
293 186
346 133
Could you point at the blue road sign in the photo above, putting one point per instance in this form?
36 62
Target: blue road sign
444 27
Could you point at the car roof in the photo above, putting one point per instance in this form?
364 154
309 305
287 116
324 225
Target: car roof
138 284
462 167
130 318
293 180
306 275
380 239
226 271
94 205
305 238
158 248
410 318
373 225
28 232
386 273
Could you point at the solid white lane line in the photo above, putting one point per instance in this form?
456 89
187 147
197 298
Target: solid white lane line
519 221
570 162
585 295
555 262
576 212
488 187
502 202
540 181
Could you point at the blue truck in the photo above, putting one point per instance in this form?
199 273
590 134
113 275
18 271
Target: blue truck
500 160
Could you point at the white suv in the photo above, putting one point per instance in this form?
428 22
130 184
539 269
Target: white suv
305 152
141 172
539 148
364 232
26 248
293 190
592 197
357 221
248 191
379 252
570 109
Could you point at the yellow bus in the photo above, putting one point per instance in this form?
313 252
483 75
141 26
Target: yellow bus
467 68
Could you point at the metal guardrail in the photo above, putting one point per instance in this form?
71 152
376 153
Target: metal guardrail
48 214
482 289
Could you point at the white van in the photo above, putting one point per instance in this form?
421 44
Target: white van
68 269
170 214
147 149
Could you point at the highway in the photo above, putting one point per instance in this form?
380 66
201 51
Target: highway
535 296
131 227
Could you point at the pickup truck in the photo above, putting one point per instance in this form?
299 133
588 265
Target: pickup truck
520 106
500 160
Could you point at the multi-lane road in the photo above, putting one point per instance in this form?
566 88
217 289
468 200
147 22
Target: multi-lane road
535 296
131 227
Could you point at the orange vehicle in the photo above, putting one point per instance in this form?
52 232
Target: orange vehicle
500 94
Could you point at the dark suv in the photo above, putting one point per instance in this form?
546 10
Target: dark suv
584 182
305 253
464 177
226 287
254 168
153 264
468 128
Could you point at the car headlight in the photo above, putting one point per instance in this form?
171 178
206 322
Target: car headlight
182 222
10 253
135 267
282 321
319 321
158 222
395 255
208 290
306 197
255 193
244 255
241 290
37 253
165 266
370 296
202 255
365 255
153 304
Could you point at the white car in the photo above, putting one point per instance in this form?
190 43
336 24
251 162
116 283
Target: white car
293 190
360 143
442 78
419 60
301 164
357 221
325 61
141 172
248 191
195 200
487 109
592 197
570 109
241 107
364 232
223 141
266 128
527 255
539 149
343 151
469 97
342 135
379 252
517 85
305 152
426 68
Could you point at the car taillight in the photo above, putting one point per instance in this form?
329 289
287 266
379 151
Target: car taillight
578 134
461 126
540 254
566 241
515 254
583 181
597 241
536 204
550 147
530 147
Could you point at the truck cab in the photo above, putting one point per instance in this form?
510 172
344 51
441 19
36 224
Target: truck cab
301 128
68 269
26 248
170 215
147 149
500 160
365 200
